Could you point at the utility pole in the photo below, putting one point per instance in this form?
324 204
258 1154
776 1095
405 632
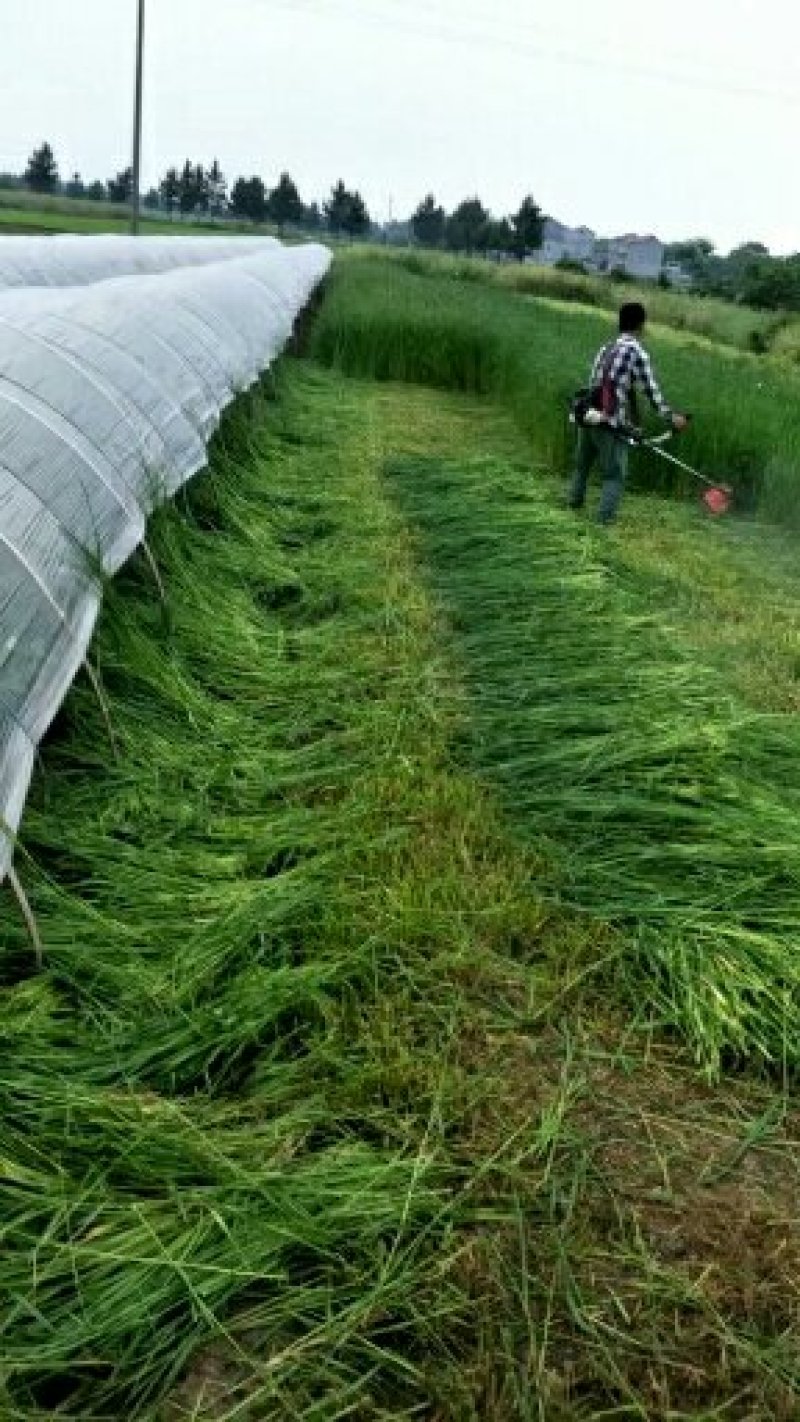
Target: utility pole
137 121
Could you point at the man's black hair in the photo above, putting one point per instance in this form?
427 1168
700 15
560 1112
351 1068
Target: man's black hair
632 317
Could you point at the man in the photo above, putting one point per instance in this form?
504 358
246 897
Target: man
619 368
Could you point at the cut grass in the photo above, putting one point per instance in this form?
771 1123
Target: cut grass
665 808
729 588
193 1154
317 1110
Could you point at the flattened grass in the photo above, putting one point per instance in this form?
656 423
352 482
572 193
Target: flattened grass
729 588
196 1150
667 808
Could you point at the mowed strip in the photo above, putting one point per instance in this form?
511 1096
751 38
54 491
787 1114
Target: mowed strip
667 807
220 1130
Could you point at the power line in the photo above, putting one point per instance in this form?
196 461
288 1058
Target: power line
513 39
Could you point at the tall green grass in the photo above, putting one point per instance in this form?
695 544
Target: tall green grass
723 322
385 322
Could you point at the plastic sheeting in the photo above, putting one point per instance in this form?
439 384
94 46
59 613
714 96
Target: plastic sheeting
70 260
109 393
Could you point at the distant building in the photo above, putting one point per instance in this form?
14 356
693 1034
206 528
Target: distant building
637 256
561 243
678 277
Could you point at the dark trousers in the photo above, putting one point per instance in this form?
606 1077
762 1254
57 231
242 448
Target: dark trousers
599 446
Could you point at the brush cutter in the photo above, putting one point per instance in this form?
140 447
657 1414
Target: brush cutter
583 411
717 497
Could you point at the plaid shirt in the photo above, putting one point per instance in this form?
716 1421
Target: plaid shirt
624 363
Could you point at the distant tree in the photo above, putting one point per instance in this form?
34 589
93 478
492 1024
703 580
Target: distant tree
772 284
496 236
346 211
193 192
152 199
249 199
741 260
465 226
747 250
75 188
358 221
120 188
527 228
695 255
238 201
41 174
11 181
689 250
312 217
284 204
97 191
428 222
201 189
697 258
170 190
217 189
337 208
186 188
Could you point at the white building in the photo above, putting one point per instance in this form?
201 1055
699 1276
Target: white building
561 243
637 256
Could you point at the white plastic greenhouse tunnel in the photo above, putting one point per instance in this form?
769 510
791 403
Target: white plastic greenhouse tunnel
117 357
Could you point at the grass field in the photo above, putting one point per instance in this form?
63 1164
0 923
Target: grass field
418 1025
386 323
22 212
724 322
21 222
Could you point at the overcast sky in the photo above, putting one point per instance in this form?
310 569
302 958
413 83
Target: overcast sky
678 118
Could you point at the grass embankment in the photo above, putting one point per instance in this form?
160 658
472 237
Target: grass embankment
316 1109
383 322
35 213
724 322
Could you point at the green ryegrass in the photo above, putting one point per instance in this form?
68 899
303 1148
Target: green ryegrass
723 322
22 212
383 322
318 1109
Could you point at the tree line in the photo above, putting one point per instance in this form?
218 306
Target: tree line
472 228
193 189
749 274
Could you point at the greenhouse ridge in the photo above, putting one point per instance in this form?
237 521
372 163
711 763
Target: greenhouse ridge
117 358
